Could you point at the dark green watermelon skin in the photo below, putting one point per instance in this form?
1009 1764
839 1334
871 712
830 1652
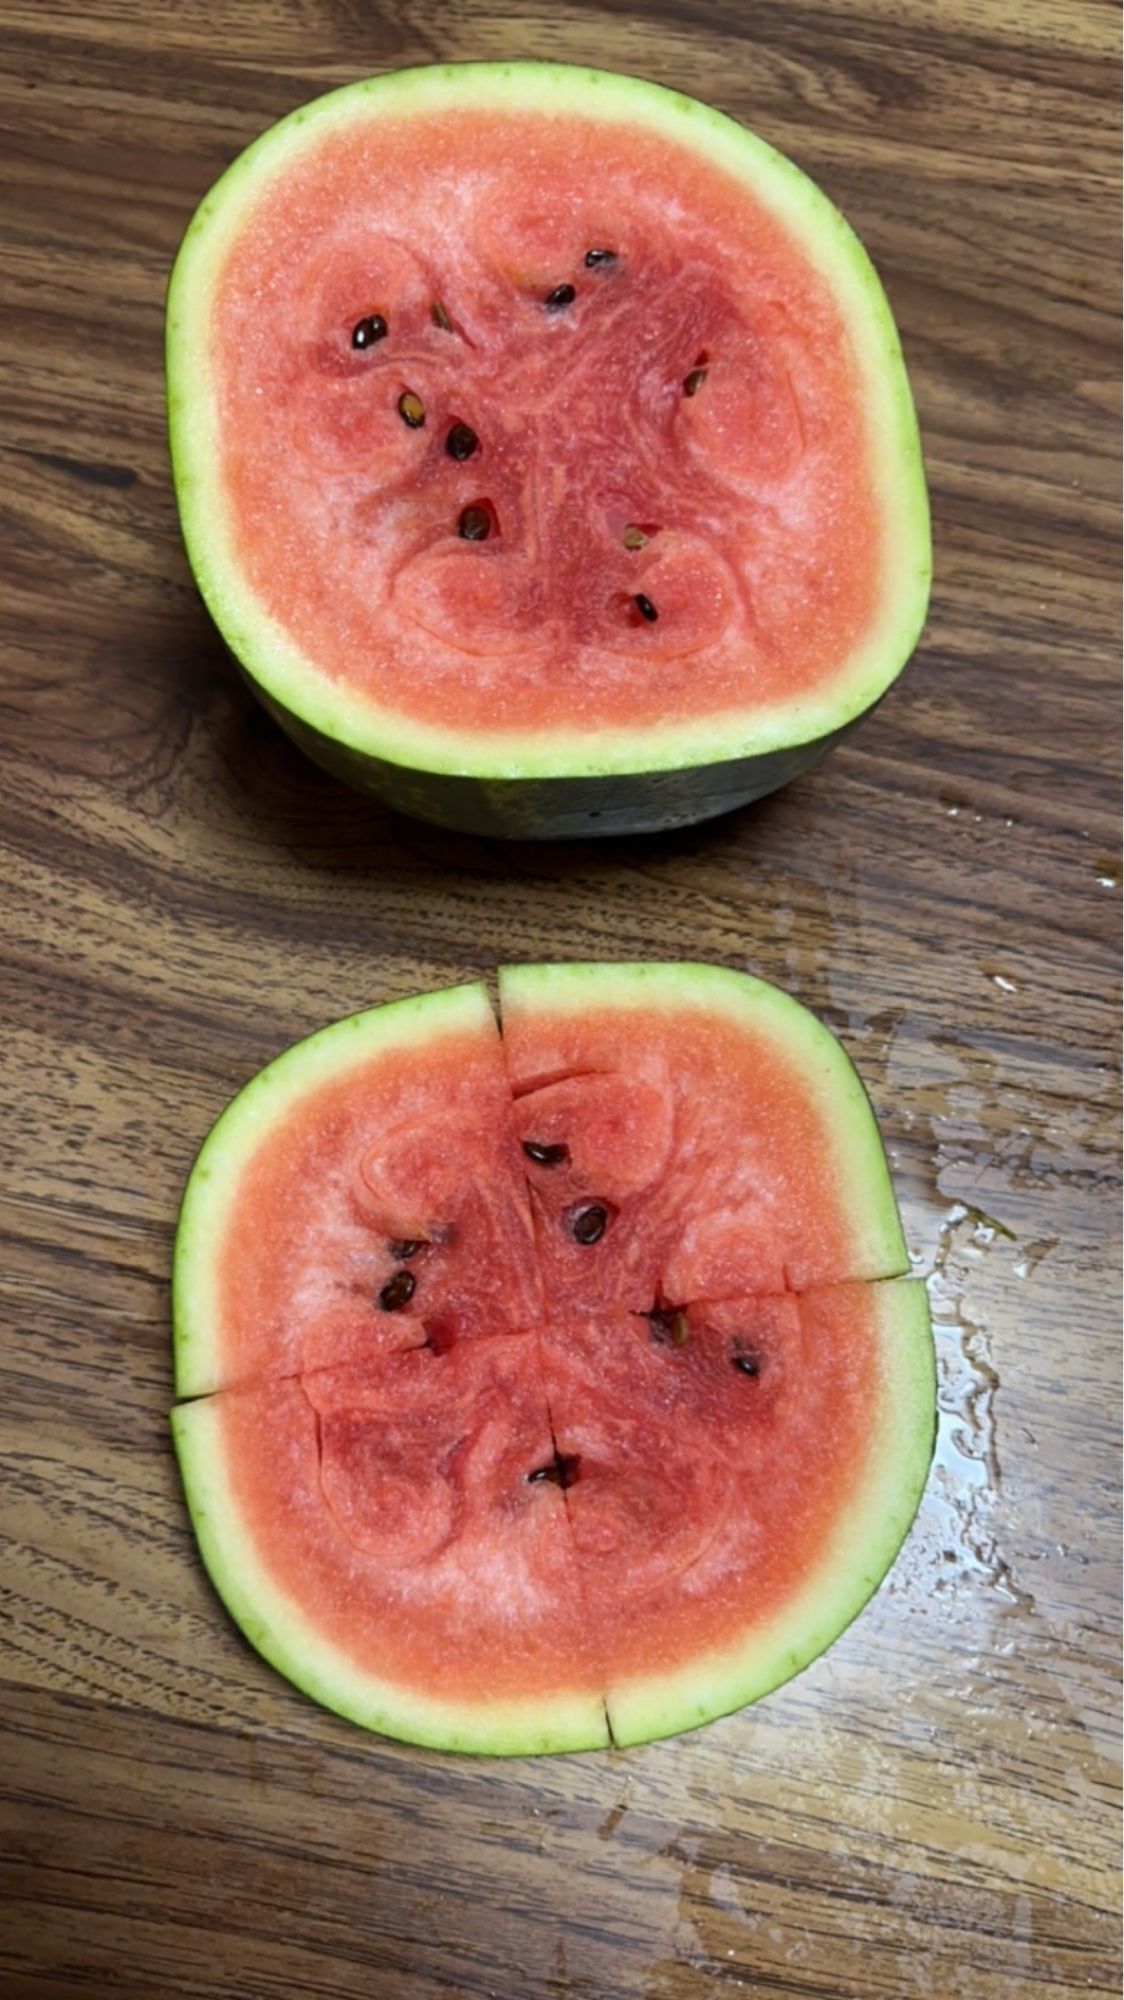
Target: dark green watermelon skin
571 808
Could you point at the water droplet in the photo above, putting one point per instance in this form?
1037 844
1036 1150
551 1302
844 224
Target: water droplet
1001 980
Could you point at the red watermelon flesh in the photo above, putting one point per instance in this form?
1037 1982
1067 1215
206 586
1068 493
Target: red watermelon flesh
389 1211
713 1159
578 1483
689 427
710 1460
401 1502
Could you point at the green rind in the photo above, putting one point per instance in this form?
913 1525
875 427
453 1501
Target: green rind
590 808
309 700
240 1129
865 1543
823 1063
279 1630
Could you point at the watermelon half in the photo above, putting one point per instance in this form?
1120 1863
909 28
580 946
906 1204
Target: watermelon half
544 449
552 1389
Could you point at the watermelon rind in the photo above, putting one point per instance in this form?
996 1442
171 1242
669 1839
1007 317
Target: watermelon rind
547 783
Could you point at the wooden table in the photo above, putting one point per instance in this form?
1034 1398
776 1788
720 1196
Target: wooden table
928 1811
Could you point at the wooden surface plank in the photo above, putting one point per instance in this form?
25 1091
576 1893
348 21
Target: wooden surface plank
931 1809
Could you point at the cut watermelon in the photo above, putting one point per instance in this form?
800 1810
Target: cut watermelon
553 1390
544 449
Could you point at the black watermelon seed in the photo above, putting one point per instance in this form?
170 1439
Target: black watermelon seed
441 317
668 1326
645 607
546 1156
562 1470
411 409
474 525
405 1247
562 295
597 259
367 331
461 441
693 382
746 1362
398 1291
588 1225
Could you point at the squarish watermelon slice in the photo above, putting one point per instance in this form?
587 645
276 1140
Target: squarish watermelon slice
557 1389
544 449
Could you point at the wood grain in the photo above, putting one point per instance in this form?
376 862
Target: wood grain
930 1810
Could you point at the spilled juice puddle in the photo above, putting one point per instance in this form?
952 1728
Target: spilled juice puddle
967 1476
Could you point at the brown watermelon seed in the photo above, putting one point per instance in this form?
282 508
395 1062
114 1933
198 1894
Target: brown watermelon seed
562 1471
461 442
398 1291
599 260
474 525
405 1247
441 317
561 296
746 1361
588 1225
411 409
546 1156
693 382
645 607
634 538
367 331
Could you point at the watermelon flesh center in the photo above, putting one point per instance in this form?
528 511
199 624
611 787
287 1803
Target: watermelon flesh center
547 1365
566 425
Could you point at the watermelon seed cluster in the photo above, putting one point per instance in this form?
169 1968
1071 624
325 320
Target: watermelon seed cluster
476 523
